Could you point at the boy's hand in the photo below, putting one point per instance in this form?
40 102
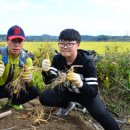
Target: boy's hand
46 64
27 75
75 79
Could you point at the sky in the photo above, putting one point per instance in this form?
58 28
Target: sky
89 17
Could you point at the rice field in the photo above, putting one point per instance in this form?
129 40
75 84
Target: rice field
99 47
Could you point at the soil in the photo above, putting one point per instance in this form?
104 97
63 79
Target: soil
37 117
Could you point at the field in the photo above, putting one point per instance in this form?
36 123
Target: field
38 117
99 47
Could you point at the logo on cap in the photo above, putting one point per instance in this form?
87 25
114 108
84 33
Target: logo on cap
17 31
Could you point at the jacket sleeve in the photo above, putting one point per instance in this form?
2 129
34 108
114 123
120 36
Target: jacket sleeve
49 76
29 62
90 81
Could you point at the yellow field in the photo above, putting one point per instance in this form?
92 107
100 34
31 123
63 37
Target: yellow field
97 46
100 46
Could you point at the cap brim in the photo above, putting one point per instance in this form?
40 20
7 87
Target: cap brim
14 37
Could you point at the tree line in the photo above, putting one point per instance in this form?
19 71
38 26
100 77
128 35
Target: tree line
98 38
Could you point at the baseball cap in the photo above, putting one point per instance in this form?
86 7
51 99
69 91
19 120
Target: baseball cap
15 32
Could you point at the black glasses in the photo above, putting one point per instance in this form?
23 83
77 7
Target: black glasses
67 44
16 41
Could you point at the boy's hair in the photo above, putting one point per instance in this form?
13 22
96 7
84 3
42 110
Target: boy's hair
70 35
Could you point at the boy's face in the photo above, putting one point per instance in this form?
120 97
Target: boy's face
68 48
15 46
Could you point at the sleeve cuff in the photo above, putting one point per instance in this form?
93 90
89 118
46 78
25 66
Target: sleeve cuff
30 84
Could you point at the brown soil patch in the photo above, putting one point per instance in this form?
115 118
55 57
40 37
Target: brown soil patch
37 117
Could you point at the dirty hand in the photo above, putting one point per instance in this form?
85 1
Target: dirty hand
27 75
2 68
46 64
75 79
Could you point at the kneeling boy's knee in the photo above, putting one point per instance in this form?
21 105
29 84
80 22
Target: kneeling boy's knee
43 100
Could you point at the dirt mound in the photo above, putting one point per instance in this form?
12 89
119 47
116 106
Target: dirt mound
36 117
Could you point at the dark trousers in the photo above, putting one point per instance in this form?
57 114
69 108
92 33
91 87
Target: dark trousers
60 98
23 97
